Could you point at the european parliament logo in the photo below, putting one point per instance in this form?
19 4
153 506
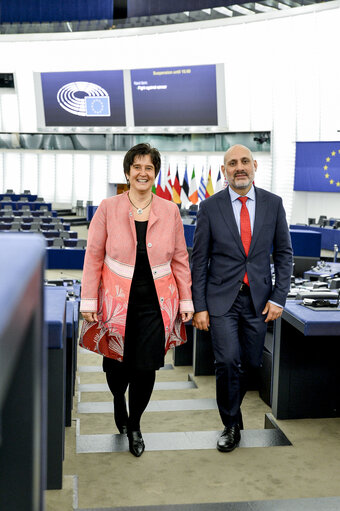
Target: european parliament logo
84 99
317 167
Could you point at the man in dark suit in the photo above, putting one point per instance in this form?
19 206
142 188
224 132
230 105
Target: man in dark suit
237 230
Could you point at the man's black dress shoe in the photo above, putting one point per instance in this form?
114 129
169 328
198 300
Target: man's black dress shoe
229 439
136 443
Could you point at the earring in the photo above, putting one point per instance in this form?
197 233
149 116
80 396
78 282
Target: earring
128 181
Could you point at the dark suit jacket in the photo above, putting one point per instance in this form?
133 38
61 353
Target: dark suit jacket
219 261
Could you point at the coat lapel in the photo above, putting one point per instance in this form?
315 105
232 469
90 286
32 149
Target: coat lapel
129 212
226 208
260 215
153 217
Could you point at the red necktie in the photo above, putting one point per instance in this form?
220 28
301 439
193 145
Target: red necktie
245 228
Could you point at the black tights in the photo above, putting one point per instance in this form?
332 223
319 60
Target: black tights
140 384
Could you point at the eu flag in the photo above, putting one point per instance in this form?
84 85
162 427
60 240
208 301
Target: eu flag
317 167
97 106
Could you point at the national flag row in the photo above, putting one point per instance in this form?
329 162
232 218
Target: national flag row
188 193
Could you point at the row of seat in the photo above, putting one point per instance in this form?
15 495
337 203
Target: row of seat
81 208
11 191
57 240
34 226
21 212
47 229
44 223
24 206
7 216
330 223
335 225
21 198
67 243
326 226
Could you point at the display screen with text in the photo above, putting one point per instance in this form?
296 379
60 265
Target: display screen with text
175 96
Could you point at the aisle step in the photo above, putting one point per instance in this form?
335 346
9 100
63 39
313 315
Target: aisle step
307 504
173 405
164 385
90 369
99 369
190 440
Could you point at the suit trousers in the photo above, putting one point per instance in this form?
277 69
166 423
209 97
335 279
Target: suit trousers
237 341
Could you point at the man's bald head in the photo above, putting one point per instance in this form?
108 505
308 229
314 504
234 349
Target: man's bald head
234 148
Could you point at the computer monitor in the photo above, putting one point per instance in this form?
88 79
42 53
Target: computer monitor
303 263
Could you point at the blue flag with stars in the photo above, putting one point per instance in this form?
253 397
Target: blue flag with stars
97 106
317 167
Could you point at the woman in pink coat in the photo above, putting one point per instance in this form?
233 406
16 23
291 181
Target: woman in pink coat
136 288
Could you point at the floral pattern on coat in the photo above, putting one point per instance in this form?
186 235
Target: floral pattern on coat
107 336
109 267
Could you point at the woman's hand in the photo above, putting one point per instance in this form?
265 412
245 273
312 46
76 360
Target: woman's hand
90 317
186 316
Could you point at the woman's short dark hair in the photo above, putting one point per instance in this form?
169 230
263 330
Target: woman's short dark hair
141 150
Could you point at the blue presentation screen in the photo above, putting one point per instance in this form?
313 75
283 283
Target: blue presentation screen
84 98
175 96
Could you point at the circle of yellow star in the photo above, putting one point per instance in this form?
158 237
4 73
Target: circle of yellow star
325 168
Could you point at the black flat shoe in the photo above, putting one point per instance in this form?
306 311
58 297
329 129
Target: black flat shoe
229 439
136 443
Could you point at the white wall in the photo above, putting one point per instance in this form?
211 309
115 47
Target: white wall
281 75
68 176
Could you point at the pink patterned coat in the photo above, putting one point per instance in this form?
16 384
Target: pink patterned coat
109 266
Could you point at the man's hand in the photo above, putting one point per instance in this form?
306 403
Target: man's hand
90 317
272 311
201 320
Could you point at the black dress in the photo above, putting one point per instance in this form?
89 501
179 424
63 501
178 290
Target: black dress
144 345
